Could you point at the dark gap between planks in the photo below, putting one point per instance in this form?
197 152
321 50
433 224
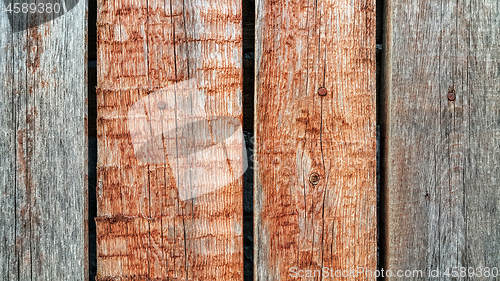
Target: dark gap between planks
92 131
380 111
248 125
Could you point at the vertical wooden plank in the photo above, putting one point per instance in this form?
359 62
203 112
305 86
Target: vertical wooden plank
170 143
482 179
315 192
43 106
442 136
8 249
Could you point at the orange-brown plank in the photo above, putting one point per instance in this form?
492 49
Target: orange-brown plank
165 209
315 189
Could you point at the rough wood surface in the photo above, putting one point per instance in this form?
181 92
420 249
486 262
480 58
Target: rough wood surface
442 156
300 224
43 169
169 89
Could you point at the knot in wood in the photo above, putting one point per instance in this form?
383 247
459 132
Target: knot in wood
314 178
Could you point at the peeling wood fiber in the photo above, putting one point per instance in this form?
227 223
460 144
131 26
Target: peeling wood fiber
159 61
315 170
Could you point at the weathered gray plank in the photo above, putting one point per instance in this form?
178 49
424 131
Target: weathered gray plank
8 257
442 155
482 179
43 209
315 191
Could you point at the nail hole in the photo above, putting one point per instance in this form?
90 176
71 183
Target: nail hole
161 105
451 94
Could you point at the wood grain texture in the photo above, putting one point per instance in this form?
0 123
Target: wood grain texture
43 168
159 61
442 156
302 46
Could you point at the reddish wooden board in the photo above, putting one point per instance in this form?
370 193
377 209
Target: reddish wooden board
162 66
315 189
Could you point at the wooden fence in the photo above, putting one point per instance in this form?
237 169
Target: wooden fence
171 153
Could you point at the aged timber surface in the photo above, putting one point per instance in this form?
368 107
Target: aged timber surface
169 185
315 192
43 189
442 152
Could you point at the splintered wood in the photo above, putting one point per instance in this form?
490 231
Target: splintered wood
315 189
170 140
